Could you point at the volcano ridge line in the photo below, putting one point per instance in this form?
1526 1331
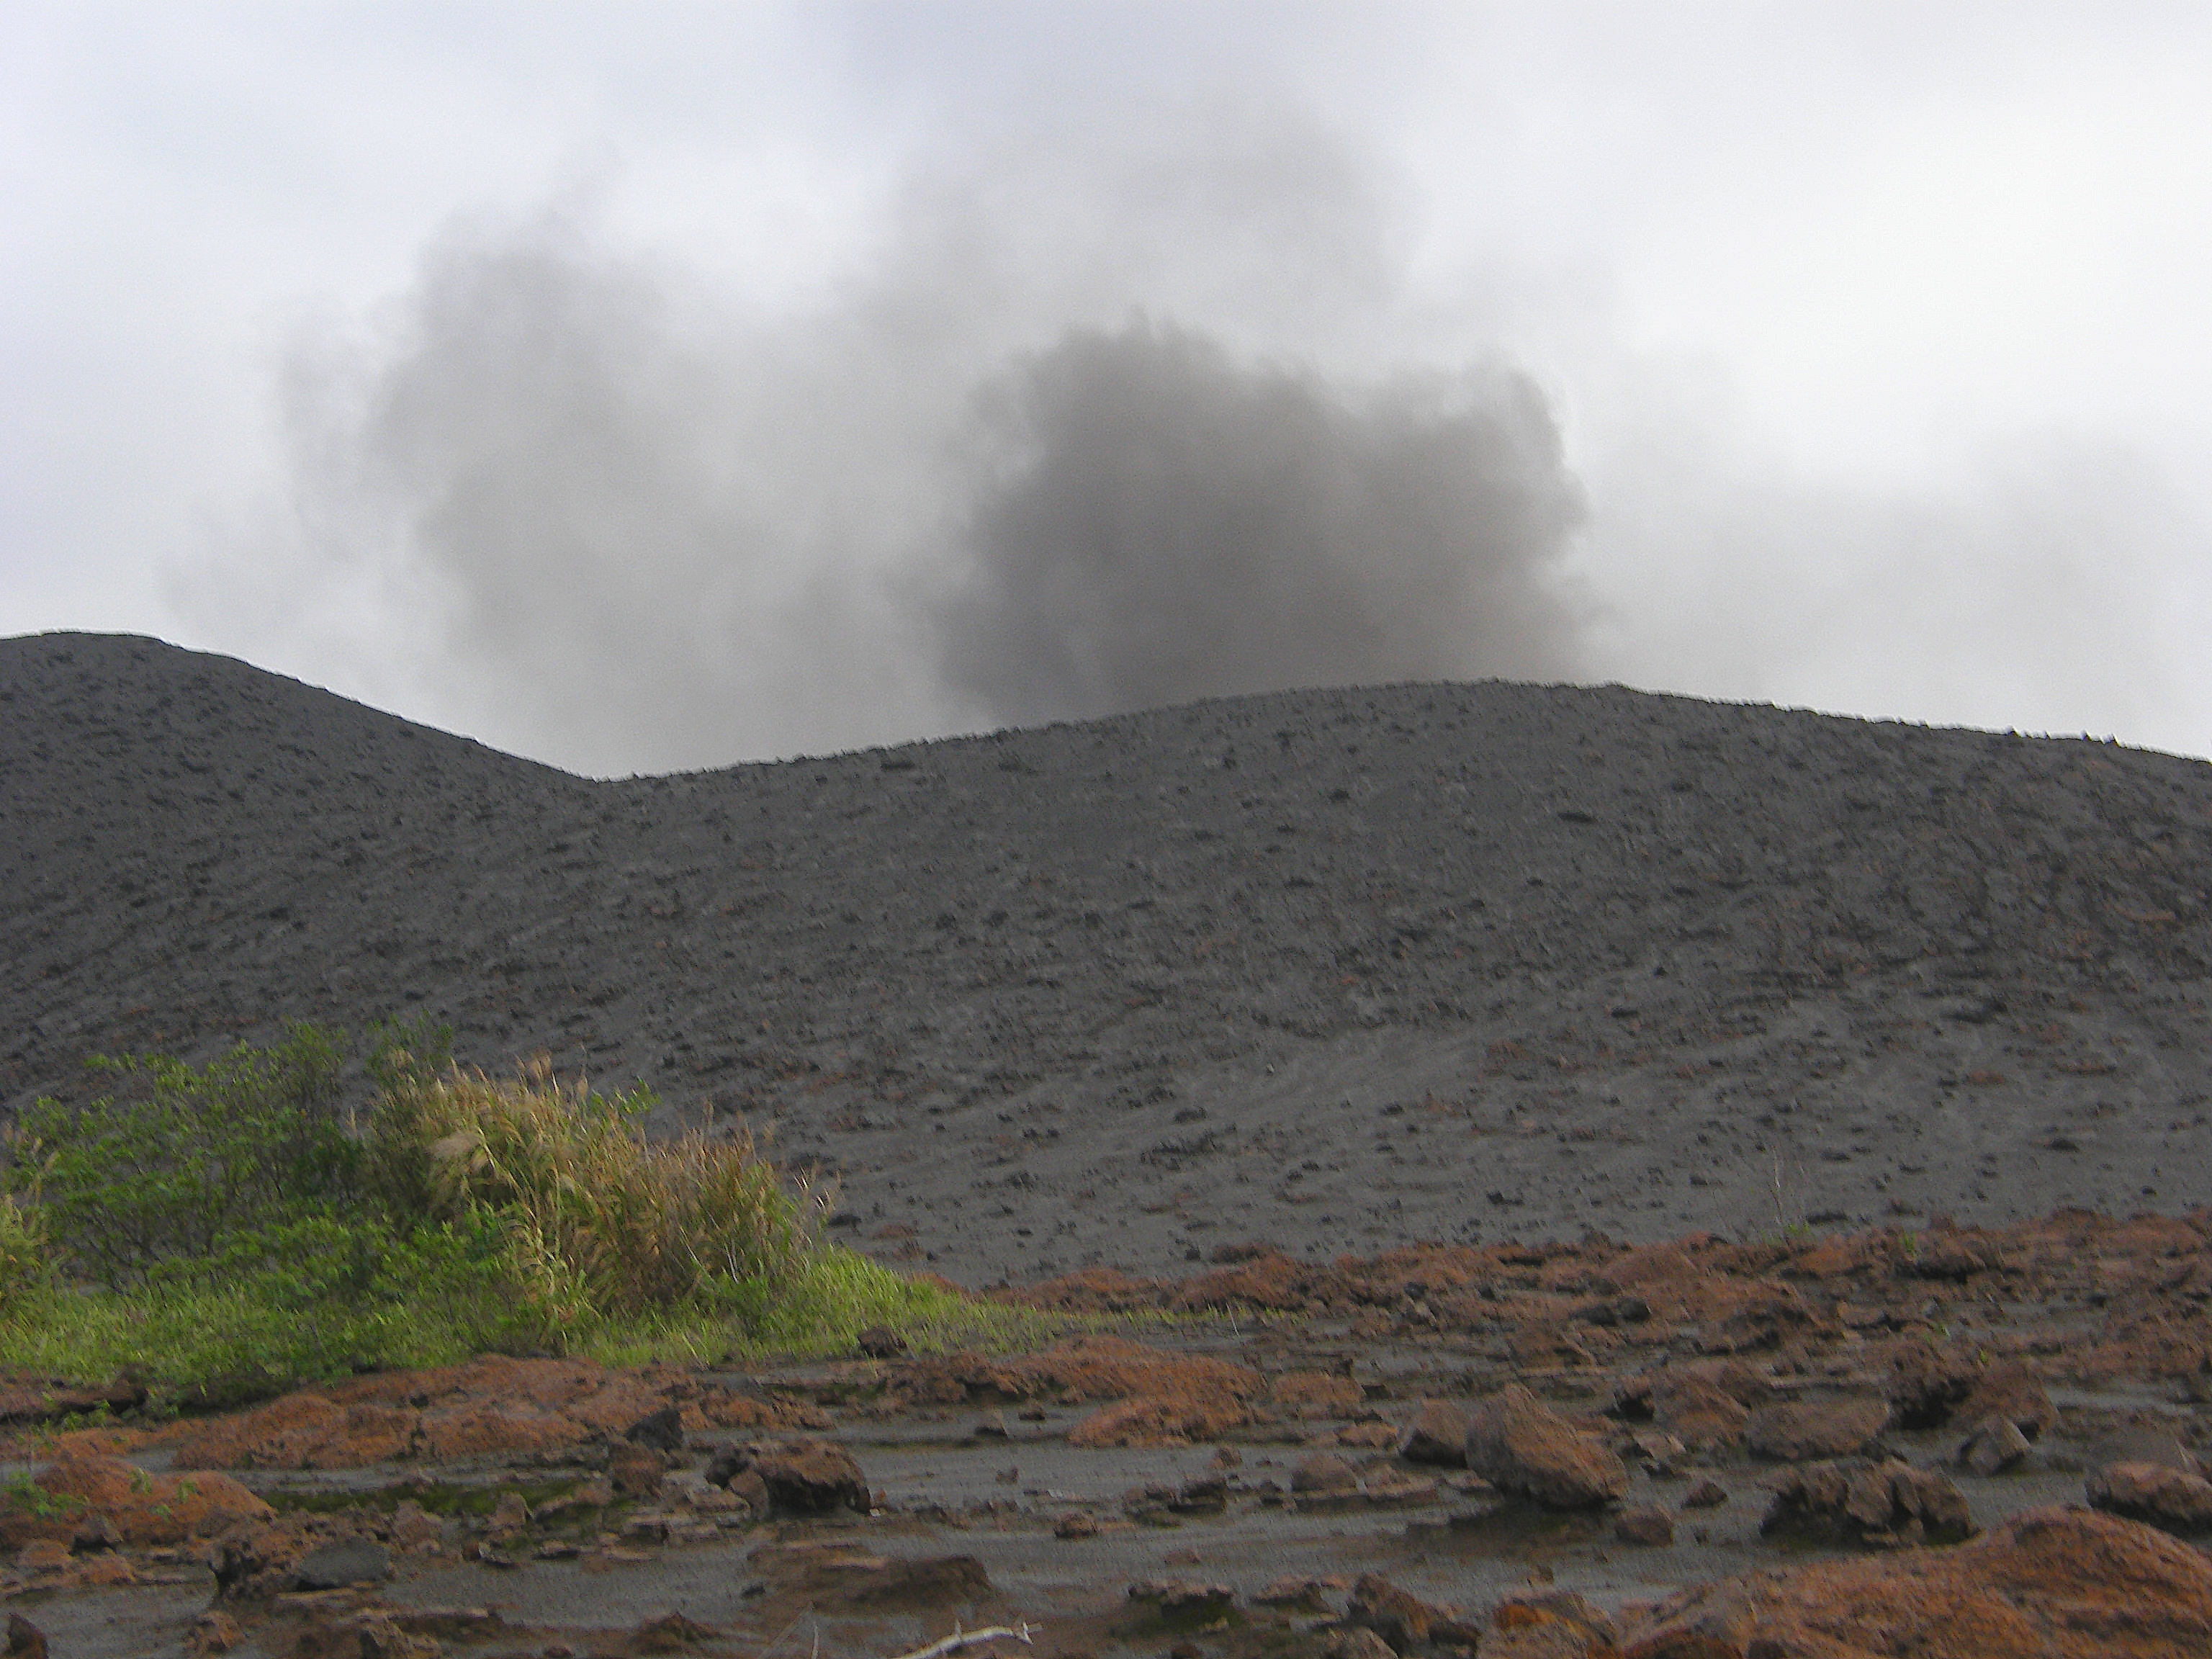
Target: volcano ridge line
1490 958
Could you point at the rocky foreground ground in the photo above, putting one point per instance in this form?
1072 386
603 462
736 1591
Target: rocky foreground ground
1953 1441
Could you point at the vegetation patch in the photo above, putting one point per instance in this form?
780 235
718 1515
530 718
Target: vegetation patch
223 1234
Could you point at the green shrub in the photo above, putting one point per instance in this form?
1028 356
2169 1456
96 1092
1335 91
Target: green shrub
250 1142
329 1295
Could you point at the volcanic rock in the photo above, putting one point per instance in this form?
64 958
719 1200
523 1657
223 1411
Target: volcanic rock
1562 1625
2145 1443
1646 1524
509 1515
1372 1434
490 1406
637 1471
213 1631
1299 1595
1156 1422
1165 1398
1926 1384
868 1584
798 1477
1700 1414
2167 1498
1316 1393
2058 1584
81 1491
1883 1503
1520 1445
1800 1432
254 1560
1204 1494
1996 1445
1660 1453
670 1633
662 1430
1318 1472
304 1430
1357 1642
2010 1390
414 1528
1438 1435
1176 1604
361 1633
1947 1257
1705 1404
42 1555
348 1561
1402 1619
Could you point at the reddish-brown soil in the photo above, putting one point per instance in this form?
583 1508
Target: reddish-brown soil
492 1406
1776 1431
2056 1584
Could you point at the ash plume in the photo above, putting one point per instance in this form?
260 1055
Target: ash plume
1162 523
633 520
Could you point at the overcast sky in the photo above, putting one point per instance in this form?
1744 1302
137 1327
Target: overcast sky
638 386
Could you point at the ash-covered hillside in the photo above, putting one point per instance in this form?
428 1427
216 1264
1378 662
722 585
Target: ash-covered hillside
1327 967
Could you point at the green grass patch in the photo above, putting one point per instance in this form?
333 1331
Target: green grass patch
830 1298
228 1232
233 1330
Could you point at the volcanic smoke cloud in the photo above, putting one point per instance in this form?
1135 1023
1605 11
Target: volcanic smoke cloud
1167 524
639 527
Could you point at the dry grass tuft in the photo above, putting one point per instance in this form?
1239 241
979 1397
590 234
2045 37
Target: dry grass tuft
602 1220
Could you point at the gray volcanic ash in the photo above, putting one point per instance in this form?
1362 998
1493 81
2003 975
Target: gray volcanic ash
1332 967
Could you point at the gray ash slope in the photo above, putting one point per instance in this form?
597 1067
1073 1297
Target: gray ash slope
1331 968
